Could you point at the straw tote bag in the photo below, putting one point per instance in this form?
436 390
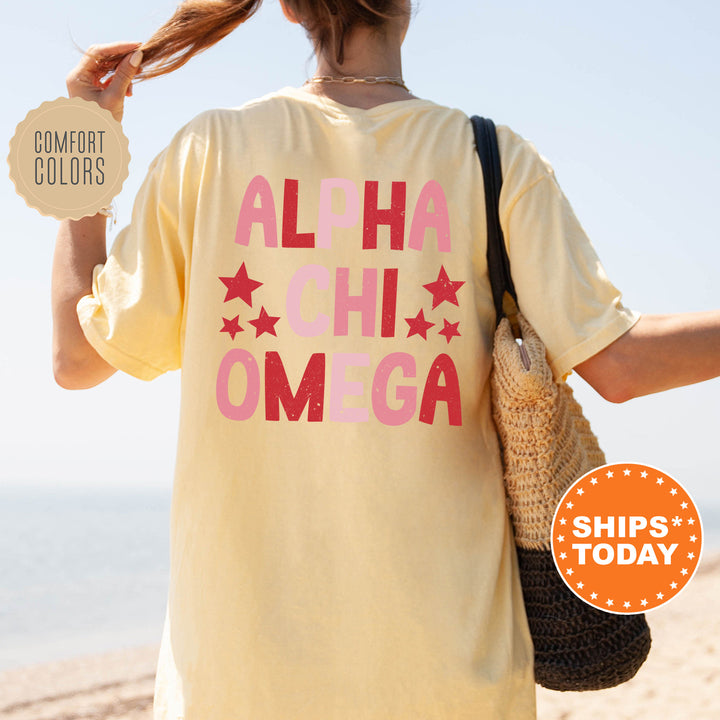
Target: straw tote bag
547 444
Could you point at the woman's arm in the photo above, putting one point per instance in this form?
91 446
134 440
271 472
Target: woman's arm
80 244
658 353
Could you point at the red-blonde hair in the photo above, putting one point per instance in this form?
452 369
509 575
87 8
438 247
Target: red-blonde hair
198 24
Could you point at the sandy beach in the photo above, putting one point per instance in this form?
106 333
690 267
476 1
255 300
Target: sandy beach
680 680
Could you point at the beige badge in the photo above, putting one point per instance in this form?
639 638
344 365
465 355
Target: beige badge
69 158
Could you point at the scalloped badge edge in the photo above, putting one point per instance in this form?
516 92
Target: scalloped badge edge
48 209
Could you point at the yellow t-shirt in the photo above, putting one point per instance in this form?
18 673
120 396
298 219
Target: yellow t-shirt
340 548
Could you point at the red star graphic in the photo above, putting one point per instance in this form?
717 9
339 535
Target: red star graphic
418 325
264 324
232 327
240 286
444 289
450 330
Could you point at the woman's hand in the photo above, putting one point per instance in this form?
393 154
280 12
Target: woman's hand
104 81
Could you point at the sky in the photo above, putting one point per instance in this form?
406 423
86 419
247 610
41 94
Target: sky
622 98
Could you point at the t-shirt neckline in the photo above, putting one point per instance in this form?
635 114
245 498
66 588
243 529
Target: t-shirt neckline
339 109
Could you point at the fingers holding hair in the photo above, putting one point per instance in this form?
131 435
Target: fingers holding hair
105 73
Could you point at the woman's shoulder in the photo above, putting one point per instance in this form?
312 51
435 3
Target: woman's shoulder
205 122
288 99
522 164
259 106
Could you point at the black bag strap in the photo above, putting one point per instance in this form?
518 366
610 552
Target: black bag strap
497 257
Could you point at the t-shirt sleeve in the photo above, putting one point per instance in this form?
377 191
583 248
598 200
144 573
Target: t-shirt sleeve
562 288
134 315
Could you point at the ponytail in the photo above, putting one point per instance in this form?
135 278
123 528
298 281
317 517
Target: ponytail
195 26
329 22
198 24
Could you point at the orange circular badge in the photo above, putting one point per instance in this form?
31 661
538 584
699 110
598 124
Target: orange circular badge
626 538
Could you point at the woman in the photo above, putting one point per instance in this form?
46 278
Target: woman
314 261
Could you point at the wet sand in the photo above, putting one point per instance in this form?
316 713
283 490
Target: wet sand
680 680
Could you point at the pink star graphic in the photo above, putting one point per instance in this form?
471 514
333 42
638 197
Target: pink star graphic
232 327
418 325
265 323
444 289
240 286
450 330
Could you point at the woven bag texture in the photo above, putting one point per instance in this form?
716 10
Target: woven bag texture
546 440
547 444
577 647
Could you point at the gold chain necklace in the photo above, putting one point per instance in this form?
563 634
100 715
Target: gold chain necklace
349 79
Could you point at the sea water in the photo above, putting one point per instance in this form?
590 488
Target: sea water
85 570
82 570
